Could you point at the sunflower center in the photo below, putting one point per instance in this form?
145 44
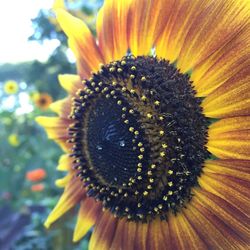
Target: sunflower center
110 143
139 137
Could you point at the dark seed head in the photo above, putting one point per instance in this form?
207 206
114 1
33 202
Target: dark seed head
139 137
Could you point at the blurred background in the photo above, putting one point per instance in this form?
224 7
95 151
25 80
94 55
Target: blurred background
33 51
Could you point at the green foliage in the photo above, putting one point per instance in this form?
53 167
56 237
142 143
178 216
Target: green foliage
44 29
14 71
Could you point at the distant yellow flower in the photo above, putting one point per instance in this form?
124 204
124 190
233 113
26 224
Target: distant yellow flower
42 100
34 95
13 140
10 87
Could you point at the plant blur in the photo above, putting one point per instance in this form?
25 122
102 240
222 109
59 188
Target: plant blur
27 158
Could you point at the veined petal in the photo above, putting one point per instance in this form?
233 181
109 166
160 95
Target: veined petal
183 235
62 107
56 129
66 147
209 225
229 167
65 163
180 16
117 242
207 34
87 217
132 235
63 181
141 236
232 142
83 70
232 98
230 62
104 232
146 21
166 234
72 195
56 133
156 238
129 235
229 220
232 189
71 83
82 42
52 122
230 124
111 28
209 38
230 145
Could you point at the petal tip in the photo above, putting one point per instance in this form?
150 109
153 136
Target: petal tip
47 223
41 120
76 237
56 106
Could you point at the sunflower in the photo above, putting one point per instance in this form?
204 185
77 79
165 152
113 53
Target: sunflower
13 140
11 87
156 125
42 100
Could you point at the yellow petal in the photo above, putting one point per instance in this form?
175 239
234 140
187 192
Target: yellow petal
228 63
118 237
146 21
65 163
207 33
230 124
104 231
62 107
55 127
183 234
111 26
49 122
231 99
209 223
208 38
72 194
82 41
157 235
230 188
82 69
71 83
129 235
58 4
141 235
87 216
233 142
229 167
179 16
227 217
63 181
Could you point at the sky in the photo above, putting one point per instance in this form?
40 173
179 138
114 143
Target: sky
16 27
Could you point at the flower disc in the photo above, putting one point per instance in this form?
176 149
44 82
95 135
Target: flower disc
139 137
110 143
